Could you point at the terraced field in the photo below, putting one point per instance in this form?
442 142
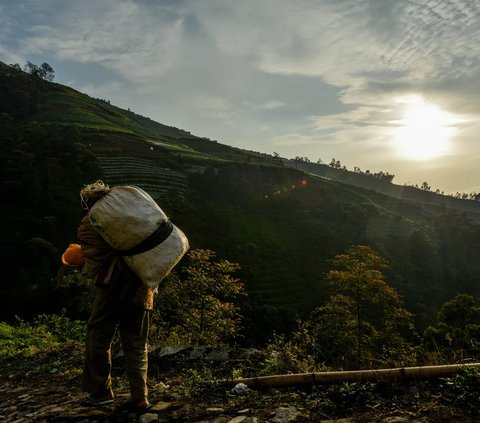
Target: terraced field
145 173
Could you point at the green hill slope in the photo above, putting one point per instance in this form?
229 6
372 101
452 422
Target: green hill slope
281 224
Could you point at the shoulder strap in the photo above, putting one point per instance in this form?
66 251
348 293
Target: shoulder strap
156 238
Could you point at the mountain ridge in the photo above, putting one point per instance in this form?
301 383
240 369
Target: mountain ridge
281 222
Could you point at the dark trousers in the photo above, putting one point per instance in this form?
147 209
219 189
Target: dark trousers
108 314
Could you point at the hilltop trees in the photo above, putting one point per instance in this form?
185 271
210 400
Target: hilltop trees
44 71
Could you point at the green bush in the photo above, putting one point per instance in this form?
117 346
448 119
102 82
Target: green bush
23 339
61 327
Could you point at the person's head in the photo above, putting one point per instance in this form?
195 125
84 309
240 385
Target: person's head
91 193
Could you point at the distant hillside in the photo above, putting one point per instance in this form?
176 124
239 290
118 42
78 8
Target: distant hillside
282 224
469 207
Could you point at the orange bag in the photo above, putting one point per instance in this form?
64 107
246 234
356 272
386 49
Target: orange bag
73 256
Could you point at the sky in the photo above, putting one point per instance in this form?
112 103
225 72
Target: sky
390 85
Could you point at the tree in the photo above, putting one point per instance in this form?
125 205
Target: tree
31 69
46 72
458 327
196 305
335 164
276 158
332 328
425 186
381 323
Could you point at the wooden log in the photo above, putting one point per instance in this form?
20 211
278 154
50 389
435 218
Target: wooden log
376 375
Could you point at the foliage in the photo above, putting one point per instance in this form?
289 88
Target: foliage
42 170
24 339
457 330
364 322
291 354
462 391
61 327
196 306
79 290
44 71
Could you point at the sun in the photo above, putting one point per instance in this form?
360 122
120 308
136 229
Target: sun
425 130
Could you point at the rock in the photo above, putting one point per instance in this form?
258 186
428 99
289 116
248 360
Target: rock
337 421
240 389
169 351
215 410
217 355
285 414
395 419
161 406
198 352
148 417
243 419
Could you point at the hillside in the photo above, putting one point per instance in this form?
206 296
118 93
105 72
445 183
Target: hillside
281 224
410 193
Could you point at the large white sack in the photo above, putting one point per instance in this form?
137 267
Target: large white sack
125 217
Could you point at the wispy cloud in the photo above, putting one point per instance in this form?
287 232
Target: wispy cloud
320 75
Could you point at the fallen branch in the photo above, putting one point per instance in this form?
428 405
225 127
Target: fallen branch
401 373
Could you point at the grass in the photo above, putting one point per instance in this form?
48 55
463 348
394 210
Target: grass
46 332
47 353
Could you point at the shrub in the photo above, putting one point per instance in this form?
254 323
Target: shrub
23 339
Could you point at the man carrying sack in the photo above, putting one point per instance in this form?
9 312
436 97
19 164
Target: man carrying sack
122 301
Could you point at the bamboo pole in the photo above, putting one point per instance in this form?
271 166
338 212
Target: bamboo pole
320 378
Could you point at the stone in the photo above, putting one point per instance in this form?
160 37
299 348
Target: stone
240 389
285 414
215 410
198 352
243 419
169 351
337 421
395 419
161 406
148 417
217 355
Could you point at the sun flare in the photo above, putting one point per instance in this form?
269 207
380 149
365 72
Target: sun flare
425 130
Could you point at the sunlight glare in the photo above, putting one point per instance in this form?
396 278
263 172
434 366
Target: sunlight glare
425 130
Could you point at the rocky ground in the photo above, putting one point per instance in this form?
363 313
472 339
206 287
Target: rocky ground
46 389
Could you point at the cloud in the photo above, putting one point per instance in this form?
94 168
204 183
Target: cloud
351 44
309 78
272 104
120 35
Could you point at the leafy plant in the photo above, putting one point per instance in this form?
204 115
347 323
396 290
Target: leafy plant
196 306
24 339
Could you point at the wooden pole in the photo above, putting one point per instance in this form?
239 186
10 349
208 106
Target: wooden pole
401 373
